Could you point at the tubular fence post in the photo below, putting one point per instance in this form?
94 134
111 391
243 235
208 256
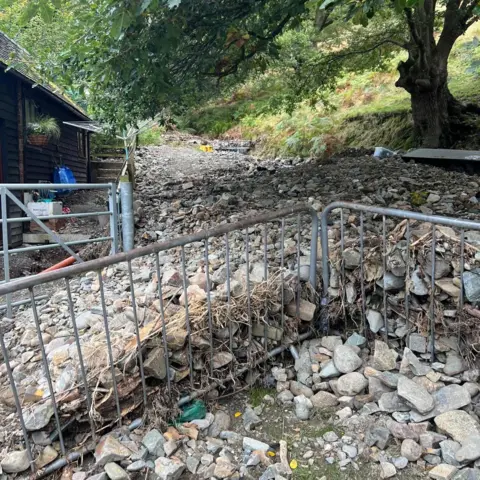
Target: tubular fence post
6 258
112 206
325 271
314 250
126 201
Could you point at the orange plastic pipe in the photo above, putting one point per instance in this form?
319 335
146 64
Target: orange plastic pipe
64 263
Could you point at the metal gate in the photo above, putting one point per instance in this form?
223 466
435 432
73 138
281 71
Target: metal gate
347 266
269 244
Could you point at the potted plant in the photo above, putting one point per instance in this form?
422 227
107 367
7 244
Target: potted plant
39 133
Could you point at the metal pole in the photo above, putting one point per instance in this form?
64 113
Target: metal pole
6 258
128 229
112 205
313 250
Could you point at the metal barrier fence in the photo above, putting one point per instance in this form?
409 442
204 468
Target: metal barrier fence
332 244
6 195
273 232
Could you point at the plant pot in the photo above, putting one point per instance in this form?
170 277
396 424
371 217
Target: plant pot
38 140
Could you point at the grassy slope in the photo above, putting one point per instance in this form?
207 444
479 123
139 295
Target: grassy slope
368 110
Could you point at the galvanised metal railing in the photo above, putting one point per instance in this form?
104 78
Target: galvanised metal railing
268 222
7 195
434 220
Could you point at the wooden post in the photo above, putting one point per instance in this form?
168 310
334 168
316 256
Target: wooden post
21 134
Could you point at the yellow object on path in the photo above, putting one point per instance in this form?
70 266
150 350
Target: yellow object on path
206 148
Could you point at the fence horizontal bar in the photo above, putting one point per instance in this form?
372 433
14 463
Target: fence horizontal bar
56 186
55 245
405 214
24 302
151 249
54 217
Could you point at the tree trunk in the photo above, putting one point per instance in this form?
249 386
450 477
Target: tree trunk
424 74
431 119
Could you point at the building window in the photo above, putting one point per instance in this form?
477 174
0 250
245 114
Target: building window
31 111
82 147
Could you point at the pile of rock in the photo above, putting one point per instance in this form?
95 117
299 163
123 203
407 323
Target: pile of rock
429 410
205 448
57 334
407 278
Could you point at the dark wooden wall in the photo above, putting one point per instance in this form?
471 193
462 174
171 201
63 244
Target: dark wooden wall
9 141
40 162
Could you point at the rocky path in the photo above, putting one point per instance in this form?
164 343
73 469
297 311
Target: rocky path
343 409
181 190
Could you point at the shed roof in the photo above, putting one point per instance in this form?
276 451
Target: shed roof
13 55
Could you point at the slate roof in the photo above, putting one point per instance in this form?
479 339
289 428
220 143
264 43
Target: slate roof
14 54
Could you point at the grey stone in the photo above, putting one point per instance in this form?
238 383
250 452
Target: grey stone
467 474
377 388
39 416
99 476
192 464
369 409
252 444
378 436
116 472
417 343
136 466
390 379
400 463
432 459
418 285
356 340
351 383
383 357
109 449
470 450
458 424
351 258
345 359
411 450
401 417
303 405
410 363
298 388
415 395
454 364
324 400
449 449
220 422
450 397
375 320
169 468
15 462
391 402
285 397
330 342
250 419
471 388
387 470
329 370
391 282
170 447
443 472
410 430
330 437
350 450
471 285
154 365
153 442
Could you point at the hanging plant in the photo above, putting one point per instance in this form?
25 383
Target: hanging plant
40 133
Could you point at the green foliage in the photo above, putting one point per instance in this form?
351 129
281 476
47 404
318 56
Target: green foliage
152 136
418 198
45 126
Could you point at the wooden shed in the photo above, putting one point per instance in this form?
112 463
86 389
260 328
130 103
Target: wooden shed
23 98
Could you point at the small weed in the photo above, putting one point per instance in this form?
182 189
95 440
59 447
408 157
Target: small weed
152 136
257 394
418 198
